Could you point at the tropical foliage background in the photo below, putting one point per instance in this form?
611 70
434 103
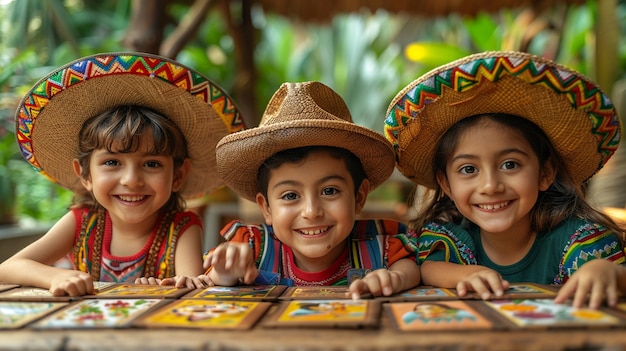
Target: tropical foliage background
365 56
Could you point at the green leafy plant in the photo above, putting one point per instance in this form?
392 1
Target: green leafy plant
8 194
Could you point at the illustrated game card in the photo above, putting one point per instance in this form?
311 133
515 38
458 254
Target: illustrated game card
206 314
436 315
544 313
255 292
523 291
136 291
15 314
421 293
29 294
326 313
318 293
93 313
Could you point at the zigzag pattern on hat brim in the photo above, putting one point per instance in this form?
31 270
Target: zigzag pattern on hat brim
555 88
121 72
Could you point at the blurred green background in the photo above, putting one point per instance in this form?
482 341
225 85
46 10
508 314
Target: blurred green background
367 56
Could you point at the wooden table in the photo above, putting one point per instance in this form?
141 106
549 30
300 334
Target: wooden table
258 338
312 339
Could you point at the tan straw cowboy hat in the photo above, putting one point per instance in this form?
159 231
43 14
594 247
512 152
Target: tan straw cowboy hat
298 115
51 114
576 115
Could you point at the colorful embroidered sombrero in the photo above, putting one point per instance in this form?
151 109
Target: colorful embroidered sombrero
51 114
298 115
576 115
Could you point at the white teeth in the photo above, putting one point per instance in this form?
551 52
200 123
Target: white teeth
131 198
313 232
494 206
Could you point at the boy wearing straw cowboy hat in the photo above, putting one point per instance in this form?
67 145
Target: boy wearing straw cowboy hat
310 168
129 134
506 140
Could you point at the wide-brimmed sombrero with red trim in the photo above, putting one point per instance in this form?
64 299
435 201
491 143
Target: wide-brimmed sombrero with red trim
574 112
298 115
51 114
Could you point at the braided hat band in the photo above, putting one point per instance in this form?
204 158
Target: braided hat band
51 114
575 114
298 115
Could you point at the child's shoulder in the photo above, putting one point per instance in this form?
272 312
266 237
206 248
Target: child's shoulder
447 229
576 229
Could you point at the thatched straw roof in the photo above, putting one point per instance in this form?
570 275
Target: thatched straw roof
324 10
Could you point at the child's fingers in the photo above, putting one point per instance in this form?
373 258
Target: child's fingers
205 280
356 288
565 291
581 294
231 255
250 275
385 282
461 288
596 296
612 293
207 260
494 283
480 286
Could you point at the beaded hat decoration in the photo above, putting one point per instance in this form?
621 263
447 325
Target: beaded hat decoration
50 115
298 115
575 114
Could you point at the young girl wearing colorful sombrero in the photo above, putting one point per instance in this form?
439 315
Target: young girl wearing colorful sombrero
505 141
310 168
131 134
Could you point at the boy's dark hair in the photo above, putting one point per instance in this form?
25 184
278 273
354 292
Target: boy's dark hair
353 164
124 127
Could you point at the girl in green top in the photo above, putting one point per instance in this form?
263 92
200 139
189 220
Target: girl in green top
505 141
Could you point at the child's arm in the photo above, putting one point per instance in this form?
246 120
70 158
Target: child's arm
402 275
33 265
231 263
482 280
595 280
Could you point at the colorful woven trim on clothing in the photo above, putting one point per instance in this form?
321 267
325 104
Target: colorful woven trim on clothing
436 237
582 94
589 242
112 64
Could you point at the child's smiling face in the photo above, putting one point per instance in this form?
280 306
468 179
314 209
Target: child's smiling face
133 186
494 177
312 206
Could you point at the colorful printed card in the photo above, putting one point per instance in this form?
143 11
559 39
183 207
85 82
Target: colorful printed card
523 291
421 293
544 313
93 313
436 315
256 292
326 313
206 314
137 291
29 294
15 314
318 292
